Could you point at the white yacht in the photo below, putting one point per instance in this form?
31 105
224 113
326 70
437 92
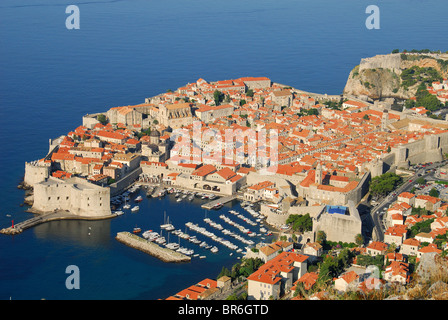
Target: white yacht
214 249
135 209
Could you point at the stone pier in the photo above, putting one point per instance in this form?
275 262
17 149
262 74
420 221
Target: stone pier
153 249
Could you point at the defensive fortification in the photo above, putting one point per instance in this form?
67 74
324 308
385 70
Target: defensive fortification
337 226
75 195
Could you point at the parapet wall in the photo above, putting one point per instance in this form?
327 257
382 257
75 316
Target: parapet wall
339 227
389 61
35 173
74 195
430 148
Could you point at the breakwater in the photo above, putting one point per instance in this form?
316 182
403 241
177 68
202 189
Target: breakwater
164 254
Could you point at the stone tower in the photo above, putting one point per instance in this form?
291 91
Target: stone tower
318 174
154 137
384 120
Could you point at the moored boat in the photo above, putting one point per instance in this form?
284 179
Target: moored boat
137 230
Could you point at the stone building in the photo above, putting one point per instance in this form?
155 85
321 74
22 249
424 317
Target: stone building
126 115
319 187
339 225
282 97
155 150
176 115
75 195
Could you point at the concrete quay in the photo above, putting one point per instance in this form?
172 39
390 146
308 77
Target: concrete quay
222 200
45 217
164 254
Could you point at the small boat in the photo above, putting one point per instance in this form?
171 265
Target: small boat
119 212
218 206
135 209
137 230
138 199
214 249
202 257
167 227
127 206
172 246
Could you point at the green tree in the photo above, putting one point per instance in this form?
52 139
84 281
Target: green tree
300 223
218 96
434 193
420 181
321 237
424 226
409 104
396 51
384 184
224 272
359 239
250 93
102 119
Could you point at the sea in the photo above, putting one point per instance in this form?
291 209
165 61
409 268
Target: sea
127 50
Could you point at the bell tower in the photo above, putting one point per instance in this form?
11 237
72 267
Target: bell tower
318 174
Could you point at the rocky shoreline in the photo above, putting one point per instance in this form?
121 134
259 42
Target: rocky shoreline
164 254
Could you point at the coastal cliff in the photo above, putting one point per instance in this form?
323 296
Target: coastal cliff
395 75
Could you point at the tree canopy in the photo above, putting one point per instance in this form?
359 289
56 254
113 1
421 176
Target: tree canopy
218 96
384 184
102 119
300 223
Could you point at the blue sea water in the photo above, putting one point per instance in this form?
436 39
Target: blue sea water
126 50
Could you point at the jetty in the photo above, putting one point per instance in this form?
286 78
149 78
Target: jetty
222 200
45 217
157 190
164 254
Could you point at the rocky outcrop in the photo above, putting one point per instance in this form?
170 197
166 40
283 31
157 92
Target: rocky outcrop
379 76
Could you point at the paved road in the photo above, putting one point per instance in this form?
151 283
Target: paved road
392 197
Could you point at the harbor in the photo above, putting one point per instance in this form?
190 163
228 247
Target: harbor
197 240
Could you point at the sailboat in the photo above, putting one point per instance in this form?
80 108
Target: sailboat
166 225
